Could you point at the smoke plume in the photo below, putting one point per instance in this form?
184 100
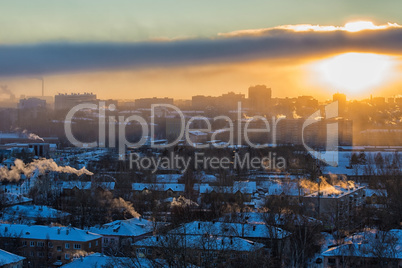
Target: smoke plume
4 90
121 204
41 165
182 202
326 187
31 136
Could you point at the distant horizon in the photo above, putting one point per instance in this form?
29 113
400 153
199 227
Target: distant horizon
216 95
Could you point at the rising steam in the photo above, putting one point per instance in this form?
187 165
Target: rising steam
326 187
182 202
41 165
31 136
4 90
121 204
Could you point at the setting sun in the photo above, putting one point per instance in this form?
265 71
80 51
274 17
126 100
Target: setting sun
355 72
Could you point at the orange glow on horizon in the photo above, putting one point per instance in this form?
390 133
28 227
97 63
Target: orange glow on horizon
353 72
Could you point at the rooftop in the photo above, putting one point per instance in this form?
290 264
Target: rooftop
158 186
100 260
31 212
224 229
337 192
201 242
130 227
8 258
42 232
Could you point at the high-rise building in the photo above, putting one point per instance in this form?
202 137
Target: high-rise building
341 99
229 101
146 103
259 98
68 101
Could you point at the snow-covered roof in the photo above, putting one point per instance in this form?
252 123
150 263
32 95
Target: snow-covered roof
364 244
14 198
168 178
231 229
42 232
278 187
201 242
130 227
7 135
31 212
245 187
98 260
271 218
9 258
377 192
207 178
176 187
86 185
363 251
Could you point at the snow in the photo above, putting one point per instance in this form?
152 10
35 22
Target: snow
9 258
277 187
42 232
344 162
200 242
14 198
168 178
262 218
377 192
363 244
86 185
98 260
31 212
130 227
231 229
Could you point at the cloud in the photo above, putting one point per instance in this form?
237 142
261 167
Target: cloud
349 27
279 42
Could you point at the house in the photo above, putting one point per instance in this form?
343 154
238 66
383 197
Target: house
10 260
32 213
50 245
123 233
162 190
337 206
240 191
200 250
375 197
69 188
372 248
261 233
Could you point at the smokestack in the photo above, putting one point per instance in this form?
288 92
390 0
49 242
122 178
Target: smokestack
43 87
4 89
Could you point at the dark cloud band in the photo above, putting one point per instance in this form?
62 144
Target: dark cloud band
49 58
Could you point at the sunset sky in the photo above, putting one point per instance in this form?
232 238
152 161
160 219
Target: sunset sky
133 49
